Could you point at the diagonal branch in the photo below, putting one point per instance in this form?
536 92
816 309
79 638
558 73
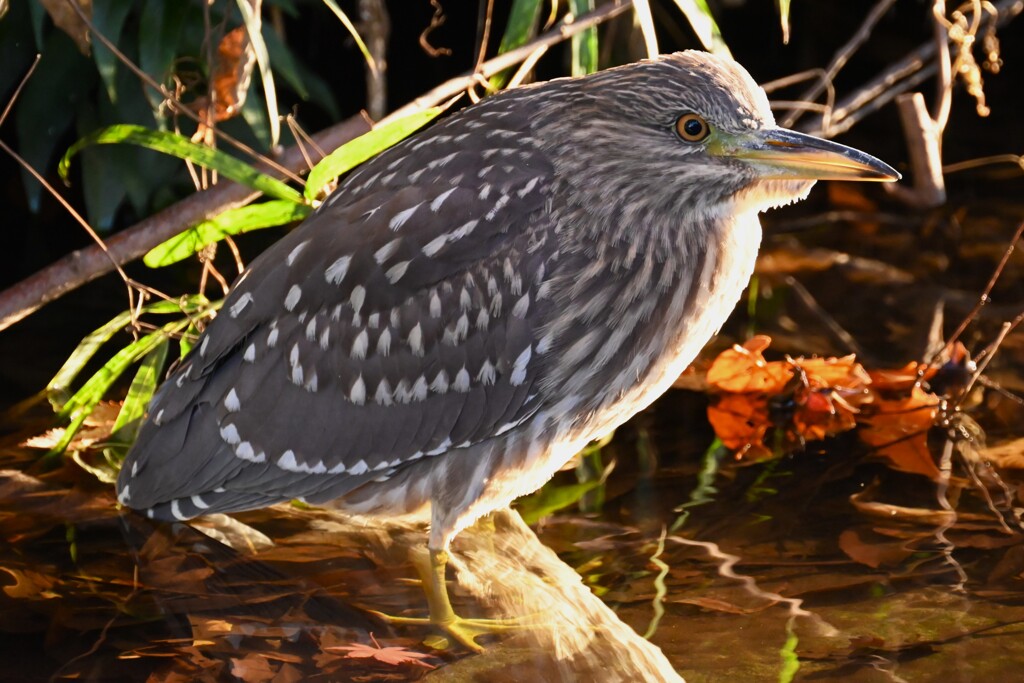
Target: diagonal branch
85 265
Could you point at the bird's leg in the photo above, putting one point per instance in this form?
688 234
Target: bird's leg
431 566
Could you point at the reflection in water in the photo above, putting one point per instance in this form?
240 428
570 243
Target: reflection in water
569 634
583 638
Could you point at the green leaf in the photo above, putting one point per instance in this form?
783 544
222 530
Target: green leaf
160 28
108 17
364 147
47 105
231 222
521 28
699 15
76 362
350 27
126 426
584 44
183 148
253 24
551 499
85 399
96 386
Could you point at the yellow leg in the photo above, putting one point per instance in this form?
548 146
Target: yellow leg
431 568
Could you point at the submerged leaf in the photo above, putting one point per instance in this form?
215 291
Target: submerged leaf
898 428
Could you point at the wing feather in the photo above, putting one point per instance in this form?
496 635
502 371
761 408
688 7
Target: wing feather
383 330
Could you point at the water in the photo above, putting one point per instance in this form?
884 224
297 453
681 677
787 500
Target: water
822 565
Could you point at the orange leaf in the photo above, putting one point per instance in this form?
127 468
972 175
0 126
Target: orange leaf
824 413
739 420
835 373
387 655
742 369
898 428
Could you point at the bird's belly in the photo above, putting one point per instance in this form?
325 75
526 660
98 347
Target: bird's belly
725 275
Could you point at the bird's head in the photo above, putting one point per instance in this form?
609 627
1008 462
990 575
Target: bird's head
693 133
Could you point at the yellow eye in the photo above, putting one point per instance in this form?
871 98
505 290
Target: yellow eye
692 127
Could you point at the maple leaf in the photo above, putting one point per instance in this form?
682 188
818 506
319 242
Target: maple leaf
393 655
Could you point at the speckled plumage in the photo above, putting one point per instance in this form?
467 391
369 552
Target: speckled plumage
471 307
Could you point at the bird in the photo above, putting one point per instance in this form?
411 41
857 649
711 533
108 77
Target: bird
470 308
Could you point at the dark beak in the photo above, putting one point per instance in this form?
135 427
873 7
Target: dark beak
786 154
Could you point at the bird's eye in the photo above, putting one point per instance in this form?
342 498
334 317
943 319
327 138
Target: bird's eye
692 127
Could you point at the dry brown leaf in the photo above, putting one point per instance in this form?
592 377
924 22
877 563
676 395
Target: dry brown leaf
898 428
742 369
388 655
863 547
66 19
253 668
741 421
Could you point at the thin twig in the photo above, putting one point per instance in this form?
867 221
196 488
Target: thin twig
17 91
944 92
982 300
561 31
85 265
172 102
74 214
906 68
842 57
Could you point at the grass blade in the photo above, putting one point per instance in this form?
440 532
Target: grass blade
522 26
139 393
232 222
642 8
364 147
85 399
253 28
87 348
584 45
699 15
350 27
183 148
784 20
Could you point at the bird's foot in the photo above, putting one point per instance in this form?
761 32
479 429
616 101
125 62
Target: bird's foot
459 629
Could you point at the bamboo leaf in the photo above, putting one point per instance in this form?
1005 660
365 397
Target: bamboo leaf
85 399
139 393
522 26
699 15
232 222
108 16
364 147
253 28
87 348
183 148
584 44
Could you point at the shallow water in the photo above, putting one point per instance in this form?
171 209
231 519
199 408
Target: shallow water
821 565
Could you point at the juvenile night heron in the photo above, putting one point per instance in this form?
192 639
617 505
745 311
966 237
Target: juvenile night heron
474 305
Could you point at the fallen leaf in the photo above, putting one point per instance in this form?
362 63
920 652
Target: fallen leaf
388 655
740 421
742 369
898 429
253 668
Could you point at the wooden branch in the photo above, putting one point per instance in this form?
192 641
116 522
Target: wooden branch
89 263
85 265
